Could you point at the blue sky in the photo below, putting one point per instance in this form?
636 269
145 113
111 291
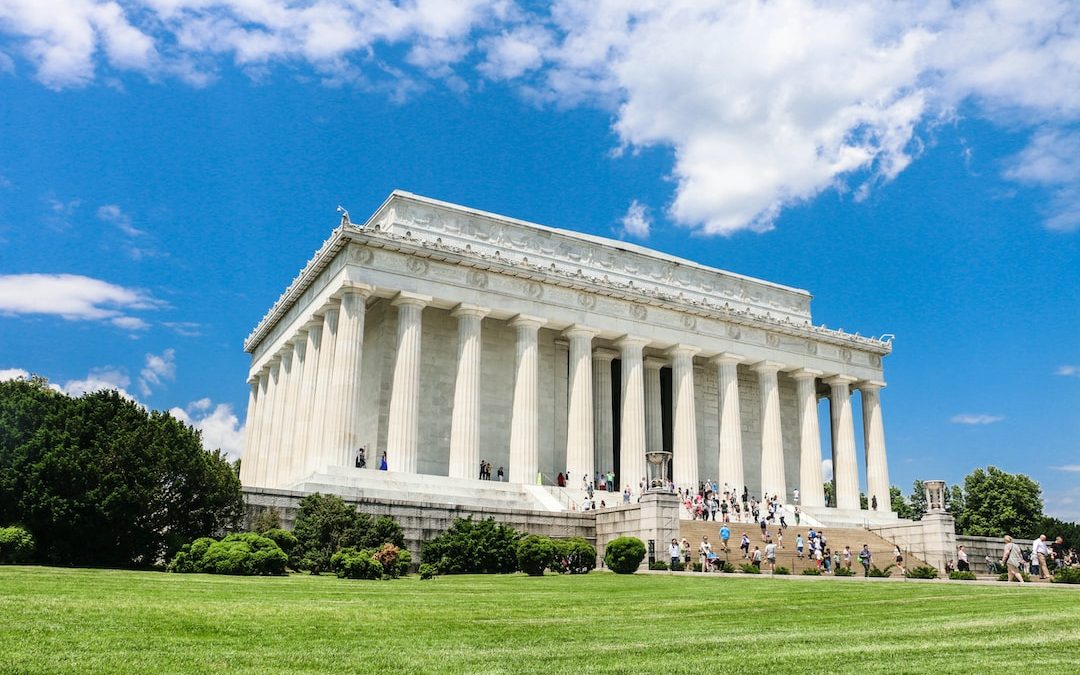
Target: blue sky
167 166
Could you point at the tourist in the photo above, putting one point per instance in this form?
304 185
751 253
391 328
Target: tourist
685 547
1011 558
560 480
500 474
382 463
603 504
873 503
706 554
768 537
755 560
835 561
770 555
675 553
826 561
818 557
780 538
764 525
796 499
798 515
1039 550
626 495
745 546
783 523
610 481
961 559
724 511
725 534
865 557
799 545
899 555
847 557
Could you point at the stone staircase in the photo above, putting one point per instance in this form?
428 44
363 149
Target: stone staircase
837 538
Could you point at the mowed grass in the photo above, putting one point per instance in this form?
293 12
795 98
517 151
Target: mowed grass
94 621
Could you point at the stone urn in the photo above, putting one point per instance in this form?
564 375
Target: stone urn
657 463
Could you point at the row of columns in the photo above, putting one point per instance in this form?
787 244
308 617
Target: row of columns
305 407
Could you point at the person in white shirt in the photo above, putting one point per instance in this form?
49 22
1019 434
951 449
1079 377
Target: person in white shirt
770 555
961 559
1039 550
796 495
675 552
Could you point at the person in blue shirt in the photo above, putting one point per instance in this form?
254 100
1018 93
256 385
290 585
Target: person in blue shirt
725 534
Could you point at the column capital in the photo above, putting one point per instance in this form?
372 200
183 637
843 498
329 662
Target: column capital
413 299
655 362
805 374
870 385
527 321
602 354
840 380
577 330
465 309
254 379
683 350
727 358
632 341
349 286
767 367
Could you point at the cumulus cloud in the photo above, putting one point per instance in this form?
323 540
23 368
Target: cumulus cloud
637 221
221 429
1068 371
99 379
764 104
975 419
826 470
13 374
159 368
73 297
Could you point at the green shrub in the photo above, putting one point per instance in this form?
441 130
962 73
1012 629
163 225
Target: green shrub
325 524
624 554
427 571
658 565
1004 576
811 572
780 569
877 572
958 575
16 545
404 562
573 556
922 572
535 554
1067 575
473 547
241 554
677 566
726 567
844 572
353 563
389 556
696 566
747 568
287 542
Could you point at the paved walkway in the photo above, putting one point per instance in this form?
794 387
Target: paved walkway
982 581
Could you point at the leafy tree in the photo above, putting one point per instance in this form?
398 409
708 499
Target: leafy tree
473 547
918 500
997 503
830 494
324 524
268 519
954 501
99 480
899 504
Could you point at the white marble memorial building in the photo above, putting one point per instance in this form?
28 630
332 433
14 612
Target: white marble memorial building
442 335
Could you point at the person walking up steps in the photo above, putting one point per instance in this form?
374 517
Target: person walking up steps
899 558
865 557
745 546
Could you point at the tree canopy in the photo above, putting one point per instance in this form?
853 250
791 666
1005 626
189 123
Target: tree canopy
997 503
100 480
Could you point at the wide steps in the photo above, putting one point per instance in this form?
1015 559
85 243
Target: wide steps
837 537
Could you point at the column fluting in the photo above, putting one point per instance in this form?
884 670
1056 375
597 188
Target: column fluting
877 468
306 432
603 416
811 485
273 425
465 421
320 455
772 440
731 450
579 424
247 460
288 424
525 422
654 412
402 435
632 419
684 433
845 470
347 385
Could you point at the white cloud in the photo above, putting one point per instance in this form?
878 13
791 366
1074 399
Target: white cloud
1052 160
975 419
73 297
826 470
637 221
99 379
219 425
158 369
1071 468
111 213
13 374
1068 371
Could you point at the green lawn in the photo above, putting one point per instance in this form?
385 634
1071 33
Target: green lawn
91 621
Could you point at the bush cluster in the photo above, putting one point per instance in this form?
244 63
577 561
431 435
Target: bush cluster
922 572
535 554
747 568
877 572
623 555
1067 575
325 524
574 556
386 562
427 571
677 566
473 547
16 545
844 572
959 575
658 565
242 554
780 569
811 572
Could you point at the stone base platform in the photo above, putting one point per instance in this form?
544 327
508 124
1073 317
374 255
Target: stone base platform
353 483
830 517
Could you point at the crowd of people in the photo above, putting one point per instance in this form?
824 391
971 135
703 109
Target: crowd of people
1040 559
707 502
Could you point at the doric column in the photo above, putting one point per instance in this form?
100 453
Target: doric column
401 438
772 440
579 424
525 423
261 430
632 419
273 424
465 421
684 434
654 412
877 468
603 415
347 385
731 451
811 486
247 460
324 418
307 427
845 470
295 366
